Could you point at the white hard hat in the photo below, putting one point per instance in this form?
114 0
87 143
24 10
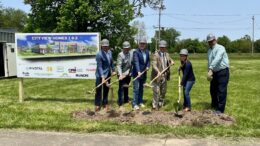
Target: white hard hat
184 52
162 44
142 40
105 43
211 37
126 44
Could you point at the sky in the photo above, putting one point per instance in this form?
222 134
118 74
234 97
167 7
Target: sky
195 19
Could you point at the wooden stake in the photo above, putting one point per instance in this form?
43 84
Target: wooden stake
21 90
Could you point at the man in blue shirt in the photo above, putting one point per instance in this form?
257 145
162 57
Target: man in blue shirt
141 63
218 73
104 67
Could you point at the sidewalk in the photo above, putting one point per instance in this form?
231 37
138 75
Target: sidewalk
34 138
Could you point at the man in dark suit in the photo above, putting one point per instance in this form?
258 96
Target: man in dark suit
141 63
103 71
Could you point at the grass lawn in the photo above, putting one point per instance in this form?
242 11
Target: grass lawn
49 103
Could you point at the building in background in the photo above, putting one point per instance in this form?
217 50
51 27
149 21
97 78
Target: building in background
7 53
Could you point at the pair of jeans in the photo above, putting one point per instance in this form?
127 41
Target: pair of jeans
218 89
138 91
123 91
186 92
98 95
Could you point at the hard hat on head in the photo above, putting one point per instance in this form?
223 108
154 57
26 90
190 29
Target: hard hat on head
184 52
162 44
126 44
105 43
211 37
142 40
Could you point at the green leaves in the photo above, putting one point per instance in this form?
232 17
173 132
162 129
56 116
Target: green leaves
12 18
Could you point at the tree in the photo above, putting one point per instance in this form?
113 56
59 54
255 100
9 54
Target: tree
257 46
225 41
192 45
44 15
242 45
139 4
109 17
139 30
13 18
170 35
1 14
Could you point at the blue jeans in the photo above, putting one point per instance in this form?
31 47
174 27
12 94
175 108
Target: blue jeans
218 89
122 91
138 91
186 93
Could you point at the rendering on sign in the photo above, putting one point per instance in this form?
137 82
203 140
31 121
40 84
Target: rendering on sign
56 55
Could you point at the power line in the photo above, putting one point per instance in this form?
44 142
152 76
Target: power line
204 15
206 28
200 22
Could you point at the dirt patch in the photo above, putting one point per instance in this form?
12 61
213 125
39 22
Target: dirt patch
195 118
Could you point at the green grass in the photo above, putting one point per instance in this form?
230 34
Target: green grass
49 103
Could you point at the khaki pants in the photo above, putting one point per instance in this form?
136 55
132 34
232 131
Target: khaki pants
159 92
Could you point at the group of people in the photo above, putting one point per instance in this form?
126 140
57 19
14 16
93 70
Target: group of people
134 63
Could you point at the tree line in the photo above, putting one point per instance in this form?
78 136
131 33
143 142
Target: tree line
109 17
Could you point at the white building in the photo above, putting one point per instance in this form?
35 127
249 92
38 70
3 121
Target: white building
7 53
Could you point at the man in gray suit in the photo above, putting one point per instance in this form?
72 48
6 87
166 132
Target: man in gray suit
124 68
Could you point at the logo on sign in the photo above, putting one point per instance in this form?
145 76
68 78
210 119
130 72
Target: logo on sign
60 69
91 69
75 70
34 68
81 75
49 69
26 74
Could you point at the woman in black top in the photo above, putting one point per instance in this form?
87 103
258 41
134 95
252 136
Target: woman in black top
188 78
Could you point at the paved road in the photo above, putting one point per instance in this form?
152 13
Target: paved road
34 138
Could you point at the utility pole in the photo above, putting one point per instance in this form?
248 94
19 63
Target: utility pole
159 24
160 11
253 34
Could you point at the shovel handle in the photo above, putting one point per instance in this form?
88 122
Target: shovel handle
103 82
179 76
160 74
140 75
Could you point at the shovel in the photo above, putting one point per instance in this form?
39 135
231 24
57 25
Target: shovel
150 84
129 85
93 90
177 108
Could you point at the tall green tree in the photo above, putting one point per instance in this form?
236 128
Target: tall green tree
170 35
225 41
1 14
192 45
109 17
12 18
257 46
44 15
242 45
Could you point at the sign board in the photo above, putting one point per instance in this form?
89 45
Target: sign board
56 55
